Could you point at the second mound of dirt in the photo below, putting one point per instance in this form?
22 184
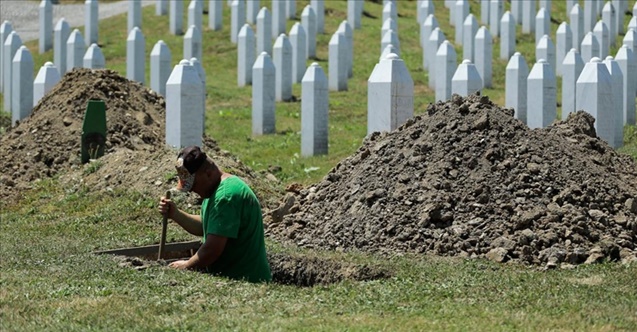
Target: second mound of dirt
470 180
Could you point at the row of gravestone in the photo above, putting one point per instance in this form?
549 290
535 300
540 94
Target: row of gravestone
338 86
181 95
443 56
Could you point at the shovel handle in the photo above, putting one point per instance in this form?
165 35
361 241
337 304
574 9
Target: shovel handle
164 225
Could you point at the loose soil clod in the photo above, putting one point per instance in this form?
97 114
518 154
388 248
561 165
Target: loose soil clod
470 180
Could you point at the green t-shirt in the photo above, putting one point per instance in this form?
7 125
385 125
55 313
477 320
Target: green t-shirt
234 212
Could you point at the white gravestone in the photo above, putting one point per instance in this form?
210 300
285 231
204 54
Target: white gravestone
176 17
516 11
470 27
484 55
528 16
626 60
319 9
48 76
160 62
184 110
237 19
136 56
215 15
564 43
45 41
425 32
390 95
290 9
541 95
245 55
545 4
193 43
354 13
388 50
571 69
94 58
429 23
542 24
161 7
201 73
337 62
298 40
609 16
590 15
91 21
601 33
496 8
282 55
263 100
314 112
466 79
75 49
252 10
577 26
595 96
10 47
389 11
462 10
570 4
195 14
451 5
5 30
308 20
278 17
620 8
264 31
346 29
134 14
61 35
617 79
635 10
517 72
435 39
390 37
546 50
445 68
485 11
425 8
388 24
630 39
632 24
507 40
589 47
22 89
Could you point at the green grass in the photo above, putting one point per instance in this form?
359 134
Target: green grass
49 280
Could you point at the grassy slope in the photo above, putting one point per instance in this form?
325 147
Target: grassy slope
51 280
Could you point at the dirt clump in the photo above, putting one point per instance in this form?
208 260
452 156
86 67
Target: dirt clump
47 143
470 180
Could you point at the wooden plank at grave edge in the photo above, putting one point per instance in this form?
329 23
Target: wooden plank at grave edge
151 249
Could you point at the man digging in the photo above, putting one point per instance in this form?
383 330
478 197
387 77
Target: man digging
230 222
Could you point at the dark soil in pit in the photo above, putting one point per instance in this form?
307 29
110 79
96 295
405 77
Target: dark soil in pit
295 270
470 180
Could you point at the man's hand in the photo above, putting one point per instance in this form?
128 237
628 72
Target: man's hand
167 207
179 265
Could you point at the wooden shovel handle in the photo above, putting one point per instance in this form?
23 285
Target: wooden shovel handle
164 225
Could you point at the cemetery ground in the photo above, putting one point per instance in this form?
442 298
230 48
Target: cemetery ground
51 280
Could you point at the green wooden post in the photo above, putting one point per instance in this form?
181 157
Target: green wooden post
94 130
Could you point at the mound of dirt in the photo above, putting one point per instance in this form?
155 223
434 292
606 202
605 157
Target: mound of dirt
48 142
470 180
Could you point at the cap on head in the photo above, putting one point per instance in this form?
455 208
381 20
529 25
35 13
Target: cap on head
189 161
